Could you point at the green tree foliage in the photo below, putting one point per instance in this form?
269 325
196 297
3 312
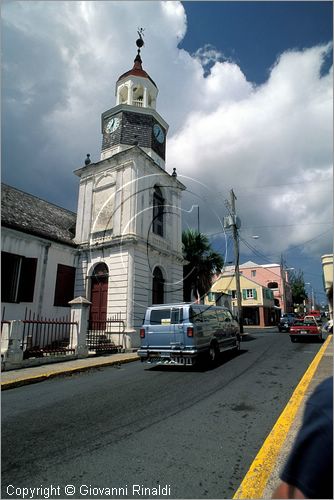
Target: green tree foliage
297 283
202 265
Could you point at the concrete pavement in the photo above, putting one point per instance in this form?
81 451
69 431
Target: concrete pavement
31 375
263 475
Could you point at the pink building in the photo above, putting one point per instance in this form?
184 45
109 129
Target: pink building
272 276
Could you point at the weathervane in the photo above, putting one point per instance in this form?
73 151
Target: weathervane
140 41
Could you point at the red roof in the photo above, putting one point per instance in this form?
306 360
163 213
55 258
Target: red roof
137 70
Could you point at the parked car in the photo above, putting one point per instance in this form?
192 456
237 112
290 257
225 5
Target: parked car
286 320
307 329
181 334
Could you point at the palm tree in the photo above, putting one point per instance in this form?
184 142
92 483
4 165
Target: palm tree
202 265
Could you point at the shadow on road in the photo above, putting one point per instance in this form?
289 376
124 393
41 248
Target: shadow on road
248 338
201 365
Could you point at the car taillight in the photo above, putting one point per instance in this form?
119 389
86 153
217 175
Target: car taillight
142 333
190 331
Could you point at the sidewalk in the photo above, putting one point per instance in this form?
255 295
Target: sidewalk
31 375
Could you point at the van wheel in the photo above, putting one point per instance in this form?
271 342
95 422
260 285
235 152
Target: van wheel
213 354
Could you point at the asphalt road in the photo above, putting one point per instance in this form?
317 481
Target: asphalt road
193 432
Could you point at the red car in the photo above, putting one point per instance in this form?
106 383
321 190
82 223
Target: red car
308 328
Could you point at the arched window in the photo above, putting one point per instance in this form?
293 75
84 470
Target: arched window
158 287
100 270
273 284
137 96
158 212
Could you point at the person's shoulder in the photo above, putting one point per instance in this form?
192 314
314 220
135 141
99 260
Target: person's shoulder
322 397
324 389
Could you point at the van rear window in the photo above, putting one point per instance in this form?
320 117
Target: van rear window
166 316
160 317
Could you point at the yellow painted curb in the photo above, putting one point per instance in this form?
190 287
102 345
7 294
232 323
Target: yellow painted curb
66 371
256 479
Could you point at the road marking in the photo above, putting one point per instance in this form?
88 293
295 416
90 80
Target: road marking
256 479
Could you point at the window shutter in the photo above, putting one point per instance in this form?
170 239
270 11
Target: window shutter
64 290
27 280
10 272
244 294
254 294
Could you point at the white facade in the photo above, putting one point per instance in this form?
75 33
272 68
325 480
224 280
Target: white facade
48 254
114 226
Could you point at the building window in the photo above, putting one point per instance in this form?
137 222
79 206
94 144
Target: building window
253 273
158 212
64 291
17 278
234 294
158 287
249 293
273 284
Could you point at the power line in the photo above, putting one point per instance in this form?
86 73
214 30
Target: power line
293 225
308 241
265 186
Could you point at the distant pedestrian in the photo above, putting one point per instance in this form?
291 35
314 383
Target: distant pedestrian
308 472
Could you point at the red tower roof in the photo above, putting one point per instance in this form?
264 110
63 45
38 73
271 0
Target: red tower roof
137 70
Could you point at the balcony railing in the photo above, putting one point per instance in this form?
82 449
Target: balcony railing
138 103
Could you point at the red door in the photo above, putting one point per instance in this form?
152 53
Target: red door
99 297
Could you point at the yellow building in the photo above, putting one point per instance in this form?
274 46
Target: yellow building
327 274
257 301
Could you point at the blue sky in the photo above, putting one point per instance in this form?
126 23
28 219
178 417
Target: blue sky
246 88
254 34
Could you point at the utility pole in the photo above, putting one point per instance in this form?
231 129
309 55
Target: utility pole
236 256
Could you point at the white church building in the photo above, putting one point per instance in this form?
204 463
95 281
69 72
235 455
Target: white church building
122 250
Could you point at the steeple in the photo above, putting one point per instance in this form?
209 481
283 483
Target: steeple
134 121
136 87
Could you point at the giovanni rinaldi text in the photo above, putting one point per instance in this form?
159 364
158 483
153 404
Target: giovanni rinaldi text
89 490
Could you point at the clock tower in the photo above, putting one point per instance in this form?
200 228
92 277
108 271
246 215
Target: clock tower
129 228
134 120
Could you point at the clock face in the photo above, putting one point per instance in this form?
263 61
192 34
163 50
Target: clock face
112 125
158 133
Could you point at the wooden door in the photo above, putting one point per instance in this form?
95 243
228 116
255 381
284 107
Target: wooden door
99 296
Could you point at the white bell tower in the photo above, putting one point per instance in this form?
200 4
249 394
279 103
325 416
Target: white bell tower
134 120
136 87
129 227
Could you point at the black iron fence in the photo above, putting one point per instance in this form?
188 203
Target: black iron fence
44 337
106 336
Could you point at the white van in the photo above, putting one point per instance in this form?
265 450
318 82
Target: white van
179 334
